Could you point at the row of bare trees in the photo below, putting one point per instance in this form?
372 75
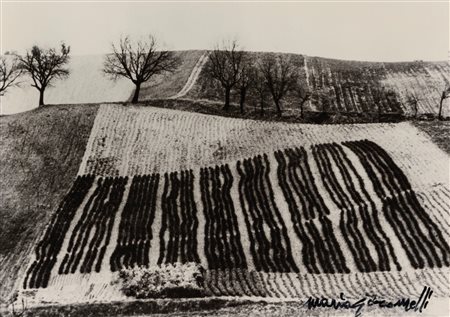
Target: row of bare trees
43 66
274 75
137 61
233 69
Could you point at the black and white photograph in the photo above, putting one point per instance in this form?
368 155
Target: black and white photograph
224 158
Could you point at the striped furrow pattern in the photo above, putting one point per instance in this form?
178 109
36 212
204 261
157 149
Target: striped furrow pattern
48 248
269 242
93 230
223 248
236 282
420 237
320 250
438 200
358 213
135 232
178 234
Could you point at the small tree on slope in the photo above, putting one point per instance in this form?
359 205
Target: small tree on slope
45 66
224 65
247 78
280 76
9 73
138 61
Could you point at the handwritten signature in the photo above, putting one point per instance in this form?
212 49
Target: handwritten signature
417 305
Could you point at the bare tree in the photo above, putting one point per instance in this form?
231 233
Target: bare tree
225 65
44 66
261 89
280 76
445 95
138 61
378 96
9 73
247 78
303 95
413 101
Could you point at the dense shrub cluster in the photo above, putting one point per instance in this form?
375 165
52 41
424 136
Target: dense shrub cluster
179 219
48 248
223 248
135 229
320 249
420 237
93 230
269 242
167 280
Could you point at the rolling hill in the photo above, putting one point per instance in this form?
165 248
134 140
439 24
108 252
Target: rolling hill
272 210
262 200
360 89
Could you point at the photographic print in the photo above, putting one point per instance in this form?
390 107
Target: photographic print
224 158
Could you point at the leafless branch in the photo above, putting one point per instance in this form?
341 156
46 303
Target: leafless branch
45 66
138 61
9 73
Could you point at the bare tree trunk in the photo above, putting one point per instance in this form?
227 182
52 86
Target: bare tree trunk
440 106
136 94
226 106
277 103
41 97
302 105
261 103
242 99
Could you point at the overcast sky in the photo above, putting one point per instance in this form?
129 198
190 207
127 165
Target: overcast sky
377 31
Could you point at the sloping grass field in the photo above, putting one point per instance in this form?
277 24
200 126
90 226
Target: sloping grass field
40 153
271 210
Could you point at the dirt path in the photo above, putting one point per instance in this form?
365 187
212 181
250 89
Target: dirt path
193 77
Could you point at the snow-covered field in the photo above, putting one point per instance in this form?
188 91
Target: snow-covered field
192 186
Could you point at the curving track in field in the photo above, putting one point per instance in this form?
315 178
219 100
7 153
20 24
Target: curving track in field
192 77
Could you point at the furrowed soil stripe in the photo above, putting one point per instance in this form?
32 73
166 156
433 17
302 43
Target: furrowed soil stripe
284 213
280 254
371 208
329 247
253 191
367 184
218 185
95 227
222 237
135 224
311 249
435 234
407 242
55 234
235 234
81 233
348 221
438 217
289 258
368 232
361 208
243 240
430 247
